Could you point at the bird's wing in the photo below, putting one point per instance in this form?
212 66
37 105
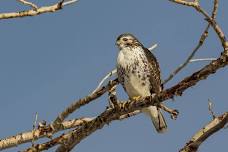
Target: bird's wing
155 74
121 72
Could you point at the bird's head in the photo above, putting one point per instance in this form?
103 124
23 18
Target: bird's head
127 40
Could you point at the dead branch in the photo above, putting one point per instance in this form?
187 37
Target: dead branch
209 19
81 102
36 10
203 36
61 139
212 127
41 132
34 6
202 59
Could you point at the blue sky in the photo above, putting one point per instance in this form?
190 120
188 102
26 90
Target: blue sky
48 61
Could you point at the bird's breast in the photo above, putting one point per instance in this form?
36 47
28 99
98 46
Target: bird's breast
132 73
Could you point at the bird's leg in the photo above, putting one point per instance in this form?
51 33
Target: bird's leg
173 112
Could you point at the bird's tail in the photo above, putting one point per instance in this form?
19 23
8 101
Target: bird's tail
157 118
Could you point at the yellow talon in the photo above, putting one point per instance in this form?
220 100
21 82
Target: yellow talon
136 98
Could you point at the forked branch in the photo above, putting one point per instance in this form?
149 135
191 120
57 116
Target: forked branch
212 127
36 10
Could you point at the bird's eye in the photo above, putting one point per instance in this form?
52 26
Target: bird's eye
124 39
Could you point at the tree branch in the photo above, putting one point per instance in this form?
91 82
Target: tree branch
41 132
81 102
200 43
36 10
203 36
34 6
210 20
208 130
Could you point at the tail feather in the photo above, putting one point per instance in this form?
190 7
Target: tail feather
157 118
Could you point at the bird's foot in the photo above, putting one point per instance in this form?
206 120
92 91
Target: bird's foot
136 98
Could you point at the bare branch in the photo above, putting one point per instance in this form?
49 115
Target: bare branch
29 4
41 132
113 72
210 109
204 35
153 47
202 59
195 3
200 43
37 11
61 138
34 127
209 19
208 130
81 102
129 114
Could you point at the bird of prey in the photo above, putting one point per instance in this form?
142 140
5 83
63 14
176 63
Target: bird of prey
139 73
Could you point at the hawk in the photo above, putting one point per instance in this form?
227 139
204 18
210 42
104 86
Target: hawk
139 73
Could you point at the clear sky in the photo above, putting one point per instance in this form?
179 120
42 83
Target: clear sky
48 61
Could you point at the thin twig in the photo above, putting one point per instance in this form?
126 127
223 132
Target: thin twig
195 3
210 109
200 43
69 2
34 127
113 72
153 47
202 59
34 6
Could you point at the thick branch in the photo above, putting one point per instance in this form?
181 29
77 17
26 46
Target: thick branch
36 11
208 130
61 138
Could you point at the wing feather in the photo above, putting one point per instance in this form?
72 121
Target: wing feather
155 74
